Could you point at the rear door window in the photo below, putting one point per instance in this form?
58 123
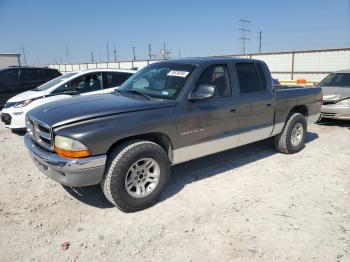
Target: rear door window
29 75
8 78
249 78
41 75
114 79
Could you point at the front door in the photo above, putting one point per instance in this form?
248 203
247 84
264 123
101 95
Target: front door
207 126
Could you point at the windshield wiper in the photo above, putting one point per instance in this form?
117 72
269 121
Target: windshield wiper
139 93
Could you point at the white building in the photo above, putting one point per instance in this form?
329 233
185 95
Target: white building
7 59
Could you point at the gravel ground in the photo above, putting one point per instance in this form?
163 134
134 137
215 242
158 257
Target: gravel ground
246 204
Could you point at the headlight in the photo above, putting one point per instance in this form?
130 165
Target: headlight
344 102
23 103
70 148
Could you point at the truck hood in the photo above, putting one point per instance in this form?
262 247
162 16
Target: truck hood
87 107
26 95
335 94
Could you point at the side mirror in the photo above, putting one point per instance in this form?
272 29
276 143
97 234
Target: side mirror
202 92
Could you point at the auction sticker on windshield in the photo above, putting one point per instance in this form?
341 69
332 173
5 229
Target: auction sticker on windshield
178 73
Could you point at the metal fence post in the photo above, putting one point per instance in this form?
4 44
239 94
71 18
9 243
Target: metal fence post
292 72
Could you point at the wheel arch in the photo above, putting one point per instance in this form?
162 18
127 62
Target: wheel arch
302 109
159 138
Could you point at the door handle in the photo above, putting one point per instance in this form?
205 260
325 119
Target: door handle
233 110
268 104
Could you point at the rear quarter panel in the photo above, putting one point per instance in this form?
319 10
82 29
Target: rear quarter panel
287 99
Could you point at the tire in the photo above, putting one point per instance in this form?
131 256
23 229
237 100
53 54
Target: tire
120 170
284 142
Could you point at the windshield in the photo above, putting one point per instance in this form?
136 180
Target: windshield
337 79
53 82
161 80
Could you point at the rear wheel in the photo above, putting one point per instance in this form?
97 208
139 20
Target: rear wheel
135 175
292 138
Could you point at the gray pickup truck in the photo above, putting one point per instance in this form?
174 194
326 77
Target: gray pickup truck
167 113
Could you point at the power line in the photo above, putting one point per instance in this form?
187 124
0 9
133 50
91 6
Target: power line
244 31
260 41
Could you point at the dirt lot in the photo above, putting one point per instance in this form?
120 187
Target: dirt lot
246 204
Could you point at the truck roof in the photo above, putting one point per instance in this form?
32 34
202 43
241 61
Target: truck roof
204 60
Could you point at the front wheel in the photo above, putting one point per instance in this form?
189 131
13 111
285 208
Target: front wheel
292 138
135 175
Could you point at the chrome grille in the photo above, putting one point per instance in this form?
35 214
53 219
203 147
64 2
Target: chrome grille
40 133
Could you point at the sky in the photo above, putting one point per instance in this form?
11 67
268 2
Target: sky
187 27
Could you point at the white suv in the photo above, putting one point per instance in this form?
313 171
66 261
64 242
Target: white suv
87 82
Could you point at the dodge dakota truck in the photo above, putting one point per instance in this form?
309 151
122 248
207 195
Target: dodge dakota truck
165 114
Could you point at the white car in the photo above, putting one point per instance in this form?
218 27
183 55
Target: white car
87 82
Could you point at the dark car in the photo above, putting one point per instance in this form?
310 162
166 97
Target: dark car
15 80
165 114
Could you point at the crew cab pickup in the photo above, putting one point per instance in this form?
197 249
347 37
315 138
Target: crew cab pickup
165 114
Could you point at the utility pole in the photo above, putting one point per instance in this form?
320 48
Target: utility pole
260 40
164 53
115 52
92 57
61 60
179 53
150 51
244 31
24 55
67 54
133 51
56 60
107 52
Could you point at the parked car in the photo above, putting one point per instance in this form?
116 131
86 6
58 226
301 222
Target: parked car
17 79
86 82
336 95
165 114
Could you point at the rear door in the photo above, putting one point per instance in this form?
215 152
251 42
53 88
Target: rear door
28 79
8 85
255 108
208 126
111 80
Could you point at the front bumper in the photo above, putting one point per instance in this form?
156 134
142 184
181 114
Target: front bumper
70 172
335 111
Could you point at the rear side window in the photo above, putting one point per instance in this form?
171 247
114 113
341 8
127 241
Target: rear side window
115 79
51 74
249 78
262 76
29 75
8 77
41 75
